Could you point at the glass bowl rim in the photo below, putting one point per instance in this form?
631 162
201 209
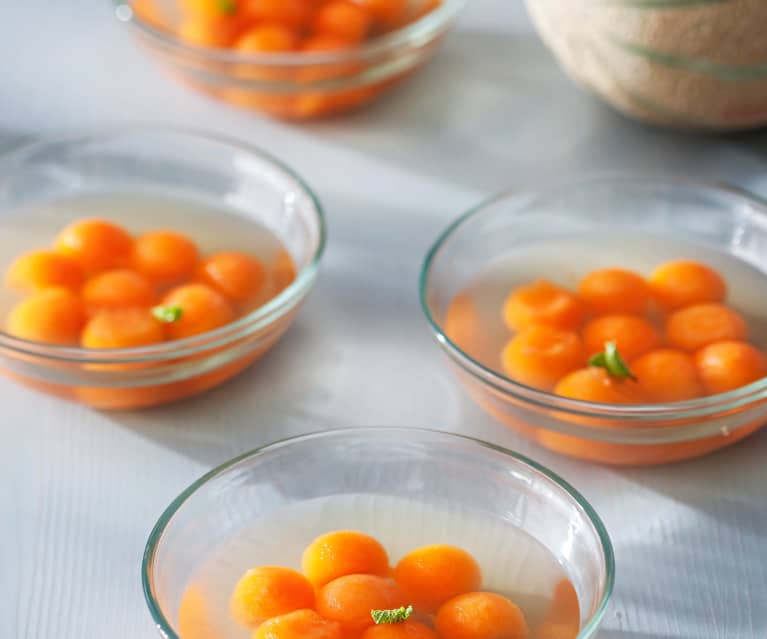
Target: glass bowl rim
260 317
164 626
422 30
696 408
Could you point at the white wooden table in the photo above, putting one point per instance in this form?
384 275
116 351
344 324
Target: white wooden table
79 490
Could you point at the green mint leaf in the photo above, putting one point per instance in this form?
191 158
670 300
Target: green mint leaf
612 362
167 314
599 360
227 7
397 615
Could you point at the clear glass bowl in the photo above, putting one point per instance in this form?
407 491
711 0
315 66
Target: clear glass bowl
238 179
421 465
708 215
294 86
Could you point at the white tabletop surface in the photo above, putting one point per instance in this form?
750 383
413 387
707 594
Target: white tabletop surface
80 490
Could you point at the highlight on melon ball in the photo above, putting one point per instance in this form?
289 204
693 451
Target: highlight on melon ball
122 328
607 380
540 356
52 316
349 600
343 552
697 326
165 257
614 290
301 624
267 38
211 33
38 270
542 303
120 288
199 308
408 629
667 375
269 591
96 244
481 615
344 19
683 283
238 276
598 386
633 335
431 575
728 365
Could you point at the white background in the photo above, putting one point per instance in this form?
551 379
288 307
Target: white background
79 490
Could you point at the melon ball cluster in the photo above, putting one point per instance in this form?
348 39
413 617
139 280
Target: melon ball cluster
348 590
623 339
101 288
283 26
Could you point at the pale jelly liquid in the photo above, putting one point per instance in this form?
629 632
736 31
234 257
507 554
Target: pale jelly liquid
212 229
474 319
512 562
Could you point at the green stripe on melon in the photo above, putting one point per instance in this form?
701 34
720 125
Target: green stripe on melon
702 65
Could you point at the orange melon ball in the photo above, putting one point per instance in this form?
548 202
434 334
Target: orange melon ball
726 366
211 9
343 19
283 271
267 38
122 328
301 624
565 609
213 33
95 244
343 552
406 630
696 326
165 257
387 13
238 276
481 615
667 375
542 303
120 288
614 290
293 13
632 335
683 283
51 316
349 600
38 270
202 309
195 620
431 575
597 385
540 356
269 591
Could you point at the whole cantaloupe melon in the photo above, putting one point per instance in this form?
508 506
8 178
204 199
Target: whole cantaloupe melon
685 63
